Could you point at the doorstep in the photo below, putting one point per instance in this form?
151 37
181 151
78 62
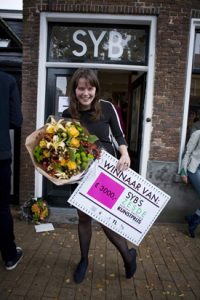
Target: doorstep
62 215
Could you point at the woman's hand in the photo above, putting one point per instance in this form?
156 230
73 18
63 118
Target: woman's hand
184 178
124 162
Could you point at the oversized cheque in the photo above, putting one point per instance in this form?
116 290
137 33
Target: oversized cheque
123 201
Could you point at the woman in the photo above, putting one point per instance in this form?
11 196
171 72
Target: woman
98 116
191 169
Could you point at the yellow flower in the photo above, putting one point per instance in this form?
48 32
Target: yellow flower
46 153
50 129
73 131
75 143
71 165
43 143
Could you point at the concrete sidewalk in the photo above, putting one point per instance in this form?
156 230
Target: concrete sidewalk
168 266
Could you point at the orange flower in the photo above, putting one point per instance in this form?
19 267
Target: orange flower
63 162
35 208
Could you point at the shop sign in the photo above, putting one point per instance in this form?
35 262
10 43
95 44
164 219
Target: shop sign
110 45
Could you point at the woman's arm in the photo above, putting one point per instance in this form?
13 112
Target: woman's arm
124 160
115 125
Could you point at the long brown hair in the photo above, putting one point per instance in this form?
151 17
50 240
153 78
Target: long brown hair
91 77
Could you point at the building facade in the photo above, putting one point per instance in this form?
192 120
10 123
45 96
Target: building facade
147 57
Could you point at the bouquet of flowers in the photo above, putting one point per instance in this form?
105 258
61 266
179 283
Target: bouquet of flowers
62 150
39 210
35 209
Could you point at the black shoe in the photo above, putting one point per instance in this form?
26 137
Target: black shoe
11 264
80 271
193 222
130 269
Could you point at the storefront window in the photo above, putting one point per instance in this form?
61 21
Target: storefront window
194 105
196 60
111 45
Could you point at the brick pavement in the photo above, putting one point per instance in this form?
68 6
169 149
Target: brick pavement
168 266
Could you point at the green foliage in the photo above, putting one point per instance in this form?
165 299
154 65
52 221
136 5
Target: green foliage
38 154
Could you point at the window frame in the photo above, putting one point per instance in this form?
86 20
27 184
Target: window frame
194 26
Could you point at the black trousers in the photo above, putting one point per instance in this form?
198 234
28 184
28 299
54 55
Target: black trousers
7 239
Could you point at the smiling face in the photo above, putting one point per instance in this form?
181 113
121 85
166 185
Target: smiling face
85 93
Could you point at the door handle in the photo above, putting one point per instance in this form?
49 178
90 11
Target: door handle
148 119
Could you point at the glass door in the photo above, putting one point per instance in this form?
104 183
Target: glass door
135 120
57 100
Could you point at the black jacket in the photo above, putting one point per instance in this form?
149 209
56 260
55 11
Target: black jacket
107 127
10 112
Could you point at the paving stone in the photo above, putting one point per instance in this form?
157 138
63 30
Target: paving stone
15 297
142 290
163 272
67 293
23 284
158 295
128 294
98 294
53 286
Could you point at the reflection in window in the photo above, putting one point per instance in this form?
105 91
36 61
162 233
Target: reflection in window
62 99
61 85
4 43
194 106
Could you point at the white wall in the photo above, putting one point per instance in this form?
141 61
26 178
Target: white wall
11 4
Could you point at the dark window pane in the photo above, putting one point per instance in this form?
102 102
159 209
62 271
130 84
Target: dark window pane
196 61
